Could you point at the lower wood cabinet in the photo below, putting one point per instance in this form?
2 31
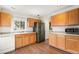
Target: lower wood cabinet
52 40
18 41
22 40
61 41
72 43
57 41
25 40
69 43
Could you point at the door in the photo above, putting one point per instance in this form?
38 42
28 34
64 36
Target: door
18 41
60 19
25 40
5 19
72 43
61 41
32 38
52 40
73 17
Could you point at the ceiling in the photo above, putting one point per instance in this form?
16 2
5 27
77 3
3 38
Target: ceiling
34 10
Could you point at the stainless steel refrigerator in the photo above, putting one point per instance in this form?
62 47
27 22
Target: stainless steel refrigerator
39 28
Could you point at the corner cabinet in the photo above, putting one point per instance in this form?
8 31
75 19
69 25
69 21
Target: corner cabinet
5 19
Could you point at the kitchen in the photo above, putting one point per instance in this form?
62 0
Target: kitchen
38 29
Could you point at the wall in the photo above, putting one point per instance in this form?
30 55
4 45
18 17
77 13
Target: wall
46 21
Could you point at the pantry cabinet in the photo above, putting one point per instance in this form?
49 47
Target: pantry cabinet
22 40
5 19
72 43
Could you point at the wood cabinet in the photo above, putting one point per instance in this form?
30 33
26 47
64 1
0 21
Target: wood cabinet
68 43
61 41
72 43
32 38
18 41
52 40
22 40
5 19
31 21
57 41
73 17
66 18
25 39
59 19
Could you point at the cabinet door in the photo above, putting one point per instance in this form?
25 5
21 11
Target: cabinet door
5 19
60 19
61 41
74 17
72 43
25 40
52 40
32 38
31 21
18 41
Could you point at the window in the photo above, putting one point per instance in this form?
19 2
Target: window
19 25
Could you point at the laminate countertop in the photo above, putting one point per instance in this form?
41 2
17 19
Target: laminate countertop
63 33
6 34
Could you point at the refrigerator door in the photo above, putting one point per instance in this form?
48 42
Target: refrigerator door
42 32
39 28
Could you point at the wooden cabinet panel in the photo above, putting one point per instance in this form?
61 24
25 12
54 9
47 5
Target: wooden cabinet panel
60 19
67 18
24 39
5 19
52 40
72 43
61 41
73 17
31 21
18 41
32 38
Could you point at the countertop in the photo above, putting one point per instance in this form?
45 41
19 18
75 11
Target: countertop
62 33
6 34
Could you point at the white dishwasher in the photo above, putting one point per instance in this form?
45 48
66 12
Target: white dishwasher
7 43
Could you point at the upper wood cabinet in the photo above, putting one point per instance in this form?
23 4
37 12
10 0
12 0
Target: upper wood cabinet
59 19
73 17
31 21
5 19
67 18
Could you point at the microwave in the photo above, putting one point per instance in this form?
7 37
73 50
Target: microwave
72 30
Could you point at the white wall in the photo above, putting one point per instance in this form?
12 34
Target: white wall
46 21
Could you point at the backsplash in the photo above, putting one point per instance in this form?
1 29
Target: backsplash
5 29
62 28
